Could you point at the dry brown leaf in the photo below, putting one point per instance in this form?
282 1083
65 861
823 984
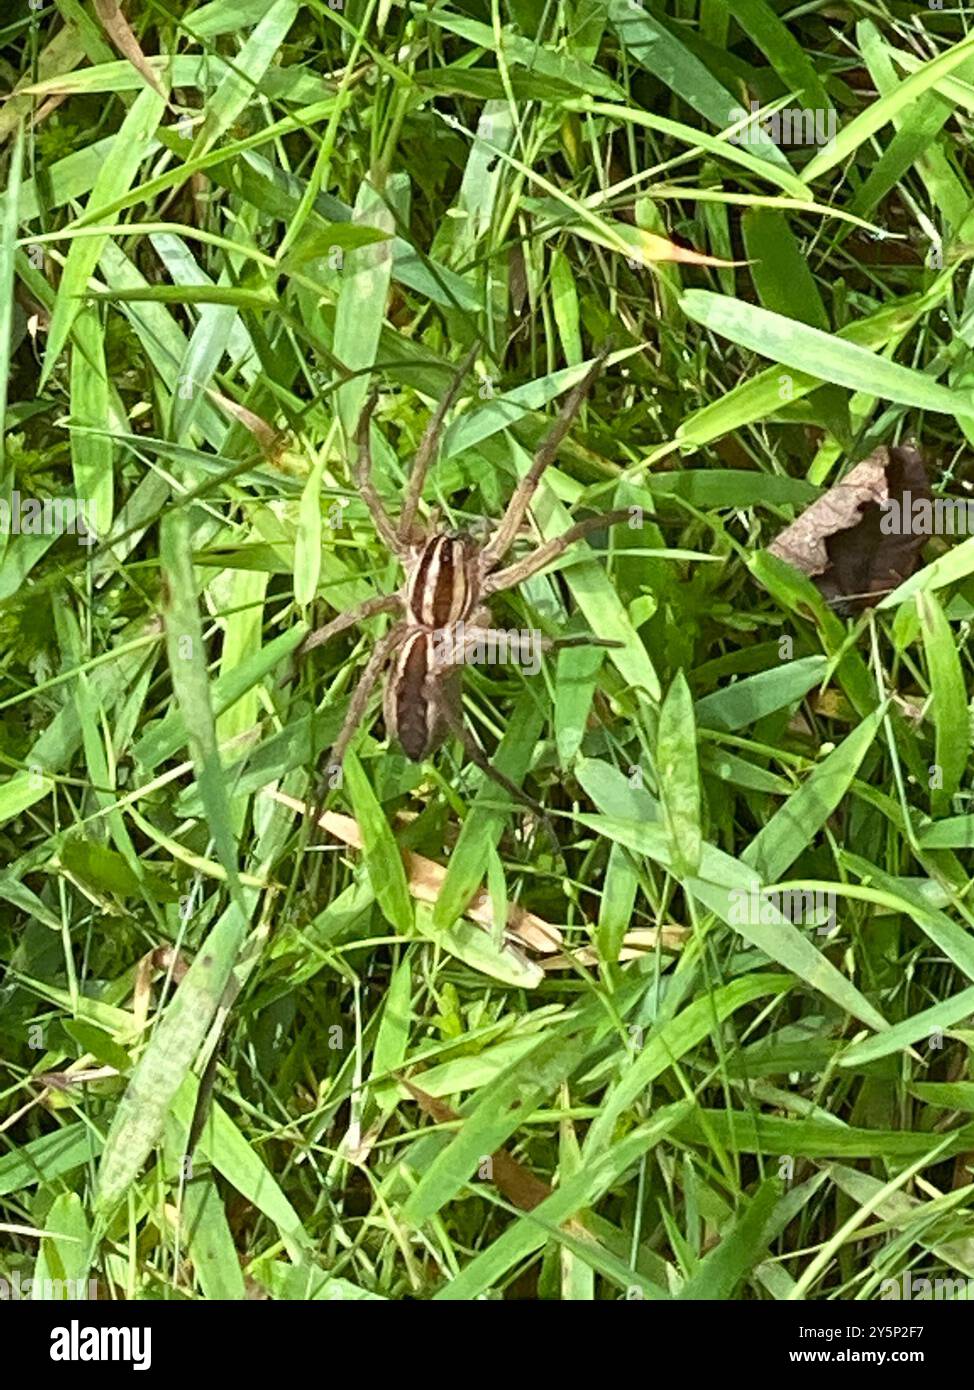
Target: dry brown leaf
832 704
269 439
167 958
142 992
65 52
356 1147
646 248
635 943
117 28
425 879
839 541
802 544
520 1186
64 1080
651 247
163 958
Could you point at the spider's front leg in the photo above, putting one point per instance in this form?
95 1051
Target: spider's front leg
365 485
427 449
512 520
475 643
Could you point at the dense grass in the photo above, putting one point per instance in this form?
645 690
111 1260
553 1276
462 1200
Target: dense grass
220 226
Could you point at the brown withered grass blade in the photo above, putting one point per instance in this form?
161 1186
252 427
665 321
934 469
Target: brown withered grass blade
118 29
424 878
268 438
644 248
520 1186
638 942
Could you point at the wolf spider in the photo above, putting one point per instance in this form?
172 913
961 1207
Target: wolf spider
447 578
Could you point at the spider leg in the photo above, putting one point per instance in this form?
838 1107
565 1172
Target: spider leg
353 717
363 479
511 521
453 719
472 644
427 448
531 564
385 603
583 640
468 644
360 696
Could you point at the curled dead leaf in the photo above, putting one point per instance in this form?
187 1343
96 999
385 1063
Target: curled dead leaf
855 541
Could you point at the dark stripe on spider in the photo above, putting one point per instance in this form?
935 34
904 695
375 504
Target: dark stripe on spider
439 592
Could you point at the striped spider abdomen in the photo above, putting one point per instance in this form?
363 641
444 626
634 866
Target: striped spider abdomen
411 714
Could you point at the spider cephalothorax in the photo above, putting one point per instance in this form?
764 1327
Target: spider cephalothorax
442 581
443 620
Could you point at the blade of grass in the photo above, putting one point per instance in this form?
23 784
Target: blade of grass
115 178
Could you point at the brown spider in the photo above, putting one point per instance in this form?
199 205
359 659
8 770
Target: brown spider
443 619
